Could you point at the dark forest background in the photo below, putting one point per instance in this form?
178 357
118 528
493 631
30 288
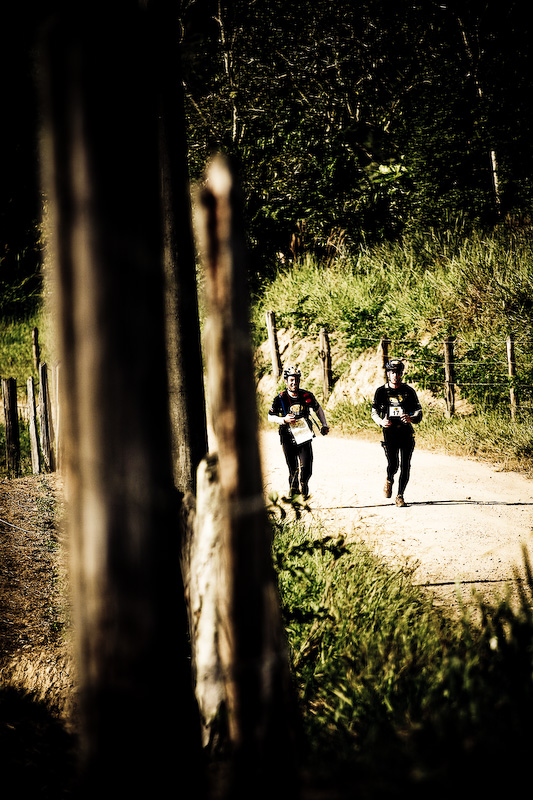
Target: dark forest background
347 122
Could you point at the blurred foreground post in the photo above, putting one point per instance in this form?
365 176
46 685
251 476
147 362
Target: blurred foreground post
184 356
252 644
138 720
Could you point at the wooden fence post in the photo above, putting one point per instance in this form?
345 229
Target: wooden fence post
274 345
35 347
449 380
250 632
56 417
9 392
203 590
100 89
384 350
325 355
34 439
45 422
511 364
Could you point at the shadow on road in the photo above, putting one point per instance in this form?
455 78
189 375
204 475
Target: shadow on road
429 503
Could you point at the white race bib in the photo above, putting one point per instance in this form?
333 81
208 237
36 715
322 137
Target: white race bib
395 411
301 431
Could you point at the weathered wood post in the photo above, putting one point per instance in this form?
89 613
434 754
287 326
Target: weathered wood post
101 170
56 415
511 368
325 356
35 348
34 437
251 637
449 376
274 345
203 592
9 393
45 420
383 350
184 355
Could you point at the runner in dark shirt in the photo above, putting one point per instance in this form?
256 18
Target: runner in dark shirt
291 411
396 408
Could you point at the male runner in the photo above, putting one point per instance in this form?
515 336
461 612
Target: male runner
396 408
290 410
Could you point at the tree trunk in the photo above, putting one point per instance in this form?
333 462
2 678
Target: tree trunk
252 644
139 722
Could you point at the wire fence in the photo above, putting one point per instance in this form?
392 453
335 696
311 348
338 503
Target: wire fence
507 371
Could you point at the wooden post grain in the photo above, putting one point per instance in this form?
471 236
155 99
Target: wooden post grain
449 379
34 437
274 345
9 393
251 638
511 367
45 421
35 348
384 354
203 591
325 356
100 88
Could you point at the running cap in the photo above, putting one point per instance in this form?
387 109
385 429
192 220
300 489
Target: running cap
395 365
294 371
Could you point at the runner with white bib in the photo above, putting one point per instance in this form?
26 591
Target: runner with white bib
291 410
396 408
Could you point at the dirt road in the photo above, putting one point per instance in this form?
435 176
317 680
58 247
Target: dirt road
465 523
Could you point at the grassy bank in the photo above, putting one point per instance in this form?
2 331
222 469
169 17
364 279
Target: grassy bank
417 292
487 435
395 696
16 361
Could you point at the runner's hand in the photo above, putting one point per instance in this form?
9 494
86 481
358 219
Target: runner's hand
324 430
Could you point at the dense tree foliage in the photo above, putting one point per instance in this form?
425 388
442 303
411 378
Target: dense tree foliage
347 121
19 176
353 121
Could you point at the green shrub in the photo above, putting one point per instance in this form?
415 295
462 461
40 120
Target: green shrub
393 693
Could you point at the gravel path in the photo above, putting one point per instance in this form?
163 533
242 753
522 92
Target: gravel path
465 522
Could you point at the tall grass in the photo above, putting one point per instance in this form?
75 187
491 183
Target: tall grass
16 361
394 694
417 291
426 285
487 434
16 351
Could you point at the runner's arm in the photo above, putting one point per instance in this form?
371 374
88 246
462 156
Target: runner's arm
322 417
278 420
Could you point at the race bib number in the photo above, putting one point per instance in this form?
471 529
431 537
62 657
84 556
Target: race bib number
301 431
395 411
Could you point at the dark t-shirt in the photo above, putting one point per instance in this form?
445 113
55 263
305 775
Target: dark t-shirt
300 406
392 403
